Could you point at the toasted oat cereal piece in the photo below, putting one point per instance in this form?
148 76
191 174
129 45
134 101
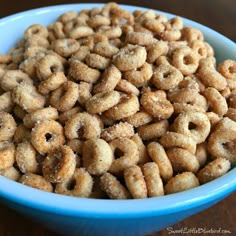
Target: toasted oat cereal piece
153 130
47 113
127 106
80 71
36 181
7 126
26 158
121 129
158 155
6 103
130 57
201 153
83 126
181 182
127 87
125 152
221 142
27 97
109 80
142 150
97 156
22 134
135 182
139 118
79 185
47 135
12 78
7 155
182 160
213 170
101 102
173 139
11 173
153 180
59 164
112 186
157 105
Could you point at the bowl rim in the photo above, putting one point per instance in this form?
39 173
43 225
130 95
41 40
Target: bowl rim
100 208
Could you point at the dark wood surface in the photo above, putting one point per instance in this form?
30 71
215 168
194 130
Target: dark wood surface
219 15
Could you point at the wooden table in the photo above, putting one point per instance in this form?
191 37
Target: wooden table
219 15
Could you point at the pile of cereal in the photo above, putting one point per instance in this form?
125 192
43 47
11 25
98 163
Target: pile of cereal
104 103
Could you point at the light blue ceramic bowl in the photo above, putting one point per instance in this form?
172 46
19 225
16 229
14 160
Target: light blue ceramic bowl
78 216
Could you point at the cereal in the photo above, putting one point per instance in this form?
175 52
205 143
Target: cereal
7 126
153 180
53 82
22 134
166 77
65 97
27 97
193 124
11 173
173 139
112 186
135 182
80 71
156 50
79 185
82 126
221 142
158 155
125 152
201 153
130 57
156 105
213 170
105 103
47 113
216 101
142 150
127 87
139 118
127 106
181 182
59 164
12 78
139 38
36 181
66 115
97 61
182 160
105 49
7 154
154 130
209 76
47 135
97 156
122 129
186 60
101 102
6 103
84 92
65 47
227 68
48 65
139 77
108 81
36 29
26 158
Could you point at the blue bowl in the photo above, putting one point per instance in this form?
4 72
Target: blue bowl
80 216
